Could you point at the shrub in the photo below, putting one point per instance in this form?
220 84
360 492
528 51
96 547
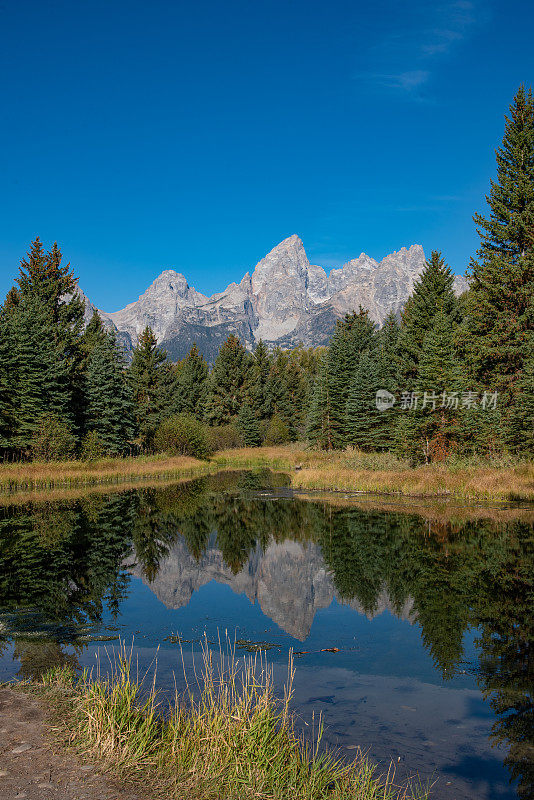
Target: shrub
53 439
92 447
277 431
224 437
183 435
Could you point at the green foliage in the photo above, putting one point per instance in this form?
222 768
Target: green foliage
277 431
183 435
92 447
248 425
153 383
192 384
259 378
53 439
108 397
228 384
500 302
353 335
365 426
432 294
224 437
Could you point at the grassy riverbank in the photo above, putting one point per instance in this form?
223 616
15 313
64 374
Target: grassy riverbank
308 469
232 738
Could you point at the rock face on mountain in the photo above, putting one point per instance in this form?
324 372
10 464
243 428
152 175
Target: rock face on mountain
288 580
286 300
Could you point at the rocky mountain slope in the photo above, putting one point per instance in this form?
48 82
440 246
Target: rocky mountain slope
286 300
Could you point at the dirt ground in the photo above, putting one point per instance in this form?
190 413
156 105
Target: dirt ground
33 767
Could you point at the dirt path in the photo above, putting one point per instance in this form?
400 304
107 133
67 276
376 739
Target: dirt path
32 767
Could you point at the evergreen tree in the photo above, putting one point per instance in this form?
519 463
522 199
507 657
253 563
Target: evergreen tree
152 381
228 382
259 376
432 293
7 382
42 371
278 391
318 429
432 425
519 431
108 395
500 302
366 427
42 276
192 384
353 335
248 426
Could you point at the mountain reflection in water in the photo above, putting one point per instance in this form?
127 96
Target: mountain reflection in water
66 568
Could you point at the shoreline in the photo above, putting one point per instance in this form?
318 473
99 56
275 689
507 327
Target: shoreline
309 470
232 738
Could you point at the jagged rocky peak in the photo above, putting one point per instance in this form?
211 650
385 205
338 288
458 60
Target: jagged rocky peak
284 300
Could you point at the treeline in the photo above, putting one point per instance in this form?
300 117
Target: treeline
452 376
66 388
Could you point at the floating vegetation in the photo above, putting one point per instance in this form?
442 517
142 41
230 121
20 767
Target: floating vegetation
255 647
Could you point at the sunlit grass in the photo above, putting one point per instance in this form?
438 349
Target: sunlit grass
348 470
227 736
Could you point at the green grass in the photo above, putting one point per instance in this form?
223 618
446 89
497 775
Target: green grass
227 737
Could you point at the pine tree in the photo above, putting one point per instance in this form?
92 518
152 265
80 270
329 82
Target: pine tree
228 382
108 395
353 335
433 293
278 391
42 277
192 384
152 386
366 427
42 370
7 382
248 426
500 302
259 376
435 422
318 430
519 430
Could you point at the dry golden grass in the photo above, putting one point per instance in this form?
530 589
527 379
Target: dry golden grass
348 471
71 474
383 473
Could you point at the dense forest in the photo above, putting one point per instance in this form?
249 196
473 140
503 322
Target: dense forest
454 376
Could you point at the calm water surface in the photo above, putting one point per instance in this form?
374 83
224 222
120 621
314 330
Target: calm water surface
433 619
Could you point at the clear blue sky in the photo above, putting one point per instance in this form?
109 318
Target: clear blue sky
196 135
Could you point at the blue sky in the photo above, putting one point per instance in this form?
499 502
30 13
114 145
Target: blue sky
196 135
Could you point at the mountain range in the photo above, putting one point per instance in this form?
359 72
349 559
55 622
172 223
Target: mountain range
284 300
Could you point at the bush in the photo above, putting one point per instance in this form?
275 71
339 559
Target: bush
92 447
53 439
277 431
224 437
183 435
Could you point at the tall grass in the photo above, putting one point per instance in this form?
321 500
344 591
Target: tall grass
348 470
227 736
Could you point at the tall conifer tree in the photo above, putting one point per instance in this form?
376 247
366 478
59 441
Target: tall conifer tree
108 395
152 381
228 382
433 293
192 384
500 302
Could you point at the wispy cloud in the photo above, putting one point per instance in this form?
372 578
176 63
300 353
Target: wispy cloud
405 59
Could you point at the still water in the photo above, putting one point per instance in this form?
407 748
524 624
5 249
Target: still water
430 613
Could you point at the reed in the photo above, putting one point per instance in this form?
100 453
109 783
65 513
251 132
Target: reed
227 736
